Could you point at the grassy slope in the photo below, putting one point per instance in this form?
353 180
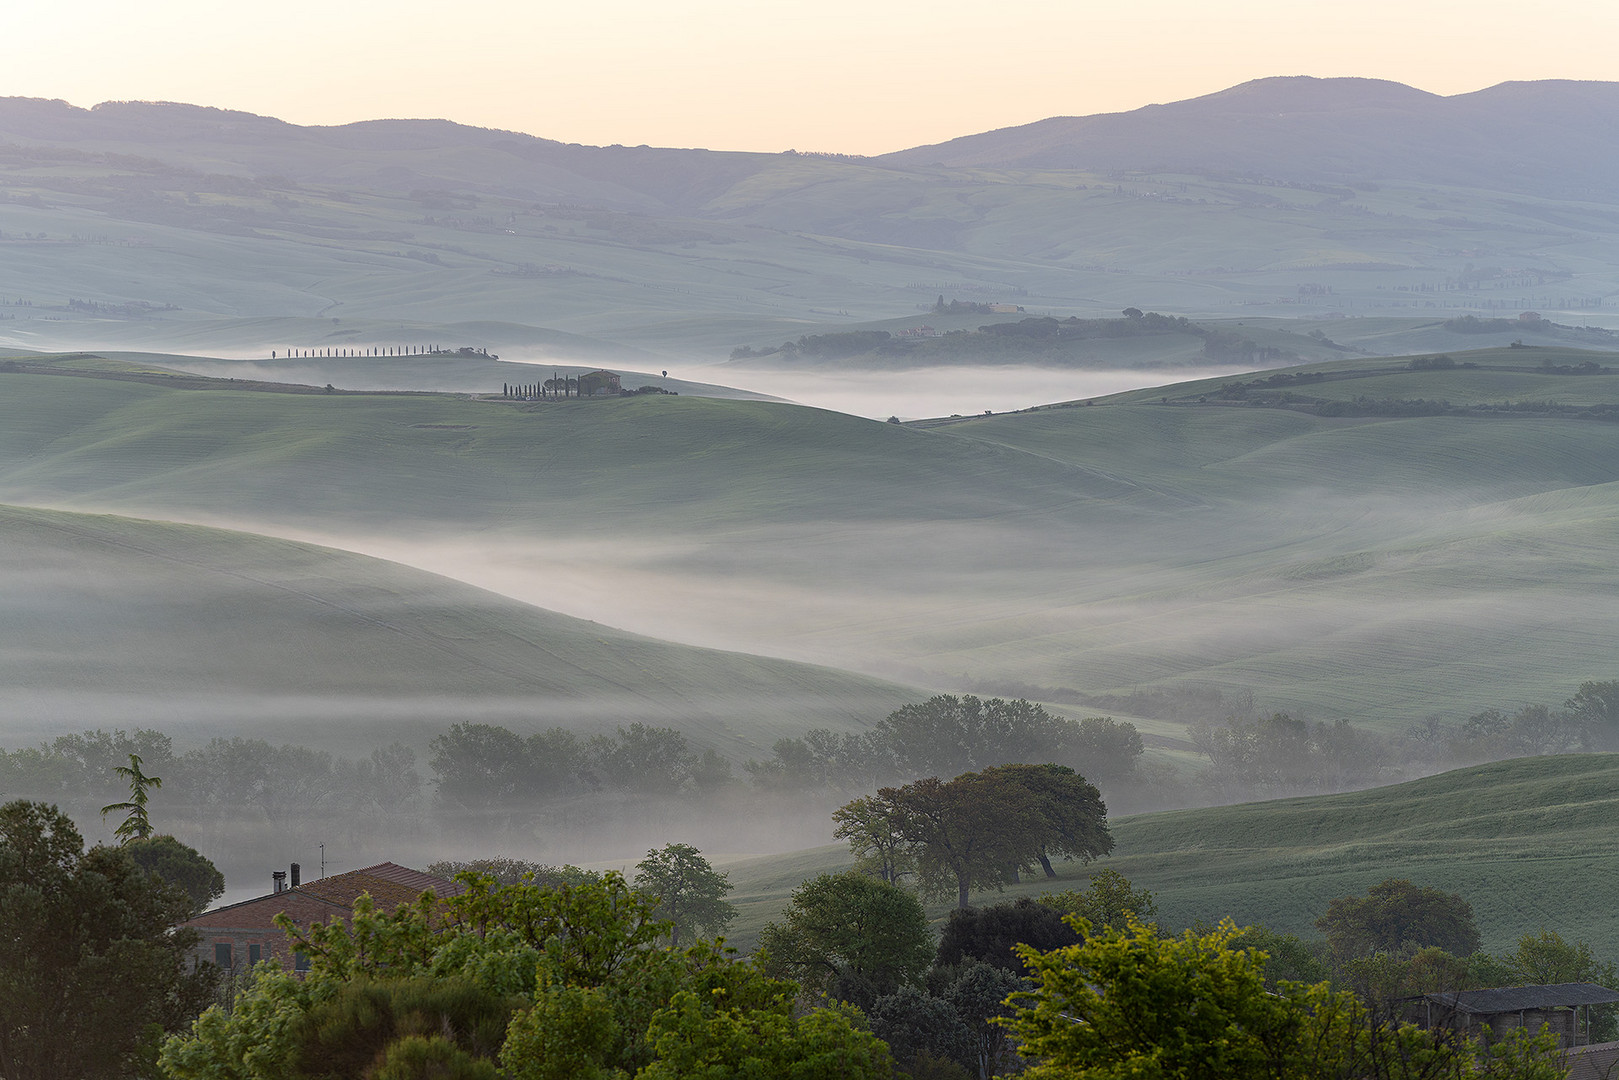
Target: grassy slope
236 633
1371 567
1528 843
1380 569
444 461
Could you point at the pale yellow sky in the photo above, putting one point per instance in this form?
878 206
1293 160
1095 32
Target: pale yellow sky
855 76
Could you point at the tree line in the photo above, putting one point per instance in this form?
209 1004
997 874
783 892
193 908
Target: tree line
945 736
486 775
1278 755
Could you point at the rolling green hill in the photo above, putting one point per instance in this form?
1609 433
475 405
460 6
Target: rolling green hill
1380 568
120 622
1529 843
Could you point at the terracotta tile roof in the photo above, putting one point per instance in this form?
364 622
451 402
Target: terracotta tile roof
388 883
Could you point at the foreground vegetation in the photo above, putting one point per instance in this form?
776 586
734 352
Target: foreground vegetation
455 984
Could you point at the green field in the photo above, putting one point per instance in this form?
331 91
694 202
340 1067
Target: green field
201 632
1377 568
1530 844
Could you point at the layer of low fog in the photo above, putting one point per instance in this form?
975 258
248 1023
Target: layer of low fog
1301 604
942 391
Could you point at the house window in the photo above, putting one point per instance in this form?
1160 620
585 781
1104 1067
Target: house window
255 953
300 961
222 954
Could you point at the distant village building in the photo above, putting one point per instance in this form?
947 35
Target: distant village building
1529 316
1004 309
917 332
237 936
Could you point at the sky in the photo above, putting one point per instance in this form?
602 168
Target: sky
846 76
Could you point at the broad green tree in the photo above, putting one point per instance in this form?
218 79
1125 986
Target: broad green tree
966 833
738 1024
872 828
1133 1004
690 894
850 937
981 830
1067 816
1396 915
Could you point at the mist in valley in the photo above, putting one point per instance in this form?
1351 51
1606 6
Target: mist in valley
1081 611
964 390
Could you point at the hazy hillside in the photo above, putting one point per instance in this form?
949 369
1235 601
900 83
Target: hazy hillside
1528 843
1382 565
120 622
182 228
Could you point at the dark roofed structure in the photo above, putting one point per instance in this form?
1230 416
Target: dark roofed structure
1501 1009
1504 999
239 935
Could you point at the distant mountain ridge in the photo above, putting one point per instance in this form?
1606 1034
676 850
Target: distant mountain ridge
1553 137
386 154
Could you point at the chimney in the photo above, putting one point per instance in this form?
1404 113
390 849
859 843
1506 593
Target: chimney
279 878
296 880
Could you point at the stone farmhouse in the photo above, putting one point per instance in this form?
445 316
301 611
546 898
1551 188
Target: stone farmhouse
237 936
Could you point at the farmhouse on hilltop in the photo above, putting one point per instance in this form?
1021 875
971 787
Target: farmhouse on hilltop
237 936
592 383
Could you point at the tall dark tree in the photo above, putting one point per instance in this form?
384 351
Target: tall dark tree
136 825
947 735
991 934
179 865
89 959
647 760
